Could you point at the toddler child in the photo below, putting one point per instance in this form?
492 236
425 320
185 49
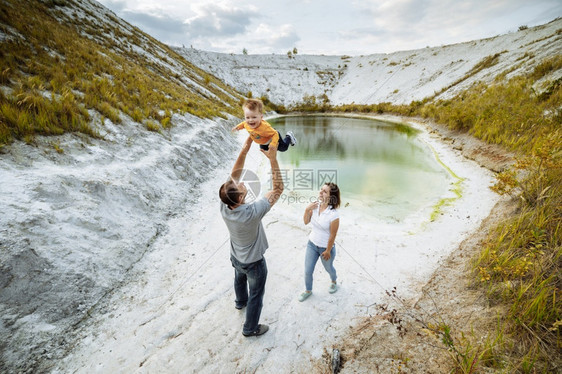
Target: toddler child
260 130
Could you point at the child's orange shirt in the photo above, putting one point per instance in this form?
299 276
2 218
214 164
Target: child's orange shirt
262 134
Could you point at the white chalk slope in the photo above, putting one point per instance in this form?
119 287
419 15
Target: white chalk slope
399 77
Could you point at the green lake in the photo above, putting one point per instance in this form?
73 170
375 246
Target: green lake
382 168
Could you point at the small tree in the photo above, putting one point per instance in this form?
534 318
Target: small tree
244 51
295 51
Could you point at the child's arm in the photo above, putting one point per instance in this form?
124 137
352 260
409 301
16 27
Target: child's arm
239 126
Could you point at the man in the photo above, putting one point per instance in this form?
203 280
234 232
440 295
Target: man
248 242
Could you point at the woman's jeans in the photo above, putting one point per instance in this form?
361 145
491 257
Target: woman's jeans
312 254
253 275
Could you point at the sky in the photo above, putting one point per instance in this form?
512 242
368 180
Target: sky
329 27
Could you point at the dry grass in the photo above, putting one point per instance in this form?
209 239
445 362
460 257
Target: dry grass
56 67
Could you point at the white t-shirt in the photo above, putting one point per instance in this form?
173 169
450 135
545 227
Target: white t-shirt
321 226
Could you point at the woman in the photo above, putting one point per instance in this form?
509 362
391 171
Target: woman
325 221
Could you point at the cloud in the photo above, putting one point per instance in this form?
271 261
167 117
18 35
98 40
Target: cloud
219 20
177 24
447 19
411 20
262 39
284 36
157 23
356 27
395 25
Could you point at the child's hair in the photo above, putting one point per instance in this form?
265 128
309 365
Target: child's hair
229 193
253 104
335 200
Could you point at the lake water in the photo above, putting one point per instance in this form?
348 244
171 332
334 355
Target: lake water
383 169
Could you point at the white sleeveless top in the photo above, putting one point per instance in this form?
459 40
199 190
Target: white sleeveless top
321 226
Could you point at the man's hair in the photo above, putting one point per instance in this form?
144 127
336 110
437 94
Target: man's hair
335 199
253 104
229 193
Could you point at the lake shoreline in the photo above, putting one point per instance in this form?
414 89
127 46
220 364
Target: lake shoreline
449 296
387 170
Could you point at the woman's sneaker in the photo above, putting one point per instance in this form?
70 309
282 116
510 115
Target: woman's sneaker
292 136
333 288
303 296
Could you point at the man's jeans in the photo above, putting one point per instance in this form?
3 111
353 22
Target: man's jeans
311 257
253 275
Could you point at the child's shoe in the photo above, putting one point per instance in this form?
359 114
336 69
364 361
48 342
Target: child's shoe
292 136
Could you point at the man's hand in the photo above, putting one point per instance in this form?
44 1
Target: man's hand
271 153
276 180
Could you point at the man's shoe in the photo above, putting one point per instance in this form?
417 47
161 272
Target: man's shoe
292 136
303 296
239 306
262 329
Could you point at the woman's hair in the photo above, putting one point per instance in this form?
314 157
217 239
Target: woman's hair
253 104
229 193
335 199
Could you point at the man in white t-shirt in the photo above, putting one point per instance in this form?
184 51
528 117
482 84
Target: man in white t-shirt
248 241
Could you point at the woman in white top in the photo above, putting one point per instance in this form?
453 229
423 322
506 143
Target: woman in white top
325 221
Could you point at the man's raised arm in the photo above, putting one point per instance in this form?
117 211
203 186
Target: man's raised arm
239 164
277 181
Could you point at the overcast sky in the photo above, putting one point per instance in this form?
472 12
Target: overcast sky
330 27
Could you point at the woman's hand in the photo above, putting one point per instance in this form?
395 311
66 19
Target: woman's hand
326 255
312 206
308 212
